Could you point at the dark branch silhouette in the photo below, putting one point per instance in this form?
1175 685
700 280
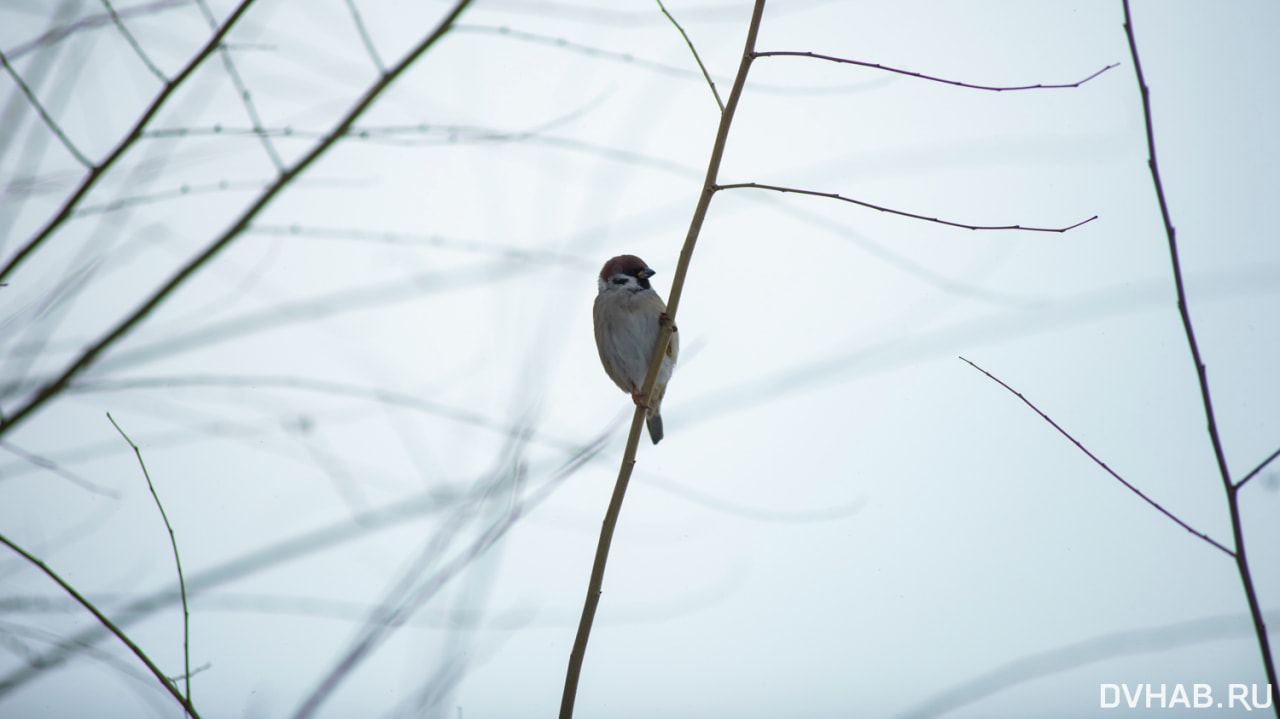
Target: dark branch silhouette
711 83
836 196
177 560
931 78
1202 376
1102 464
1256 470
102 619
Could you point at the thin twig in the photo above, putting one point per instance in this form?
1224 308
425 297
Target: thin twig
694 50
91 22
44 115
260 559
133 42
837 196
630 59
659 351
52 466
243 90
1257 469
163 195
97 172
922 76
168 685
89 355
173 541
410 239
1100 463
390 617
1232 490
364 36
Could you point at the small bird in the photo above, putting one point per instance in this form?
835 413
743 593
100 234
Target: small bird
628 315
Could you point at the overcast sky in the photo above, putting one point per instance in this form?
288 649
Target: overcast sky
381 394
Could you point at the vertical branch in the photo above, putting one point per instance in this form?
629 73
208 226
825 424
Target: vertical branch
664 337
1232 489
173 541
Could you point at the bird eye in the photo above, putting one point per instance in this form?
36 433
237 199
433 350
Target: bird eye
619 280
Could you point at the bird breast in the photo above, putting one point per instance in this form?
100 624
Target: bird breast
626 325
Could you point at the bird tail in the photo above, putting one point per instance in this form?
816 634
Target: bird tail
653 419
654 422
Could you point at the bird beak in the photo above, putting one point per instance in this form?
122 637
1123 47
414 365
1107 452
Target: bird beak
646 273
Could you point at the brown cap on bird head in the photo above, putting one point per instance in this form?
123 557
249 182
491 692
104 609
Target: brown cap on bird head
626 265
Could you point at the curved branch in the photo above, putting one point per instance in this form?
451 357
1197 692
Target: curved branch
837 196
931 78
173 690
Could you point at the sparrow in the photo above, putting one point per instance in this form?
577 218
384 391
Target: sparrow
628 315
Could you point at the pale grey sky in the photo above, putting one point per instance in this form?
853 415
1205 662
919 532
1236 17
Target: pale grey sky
844 519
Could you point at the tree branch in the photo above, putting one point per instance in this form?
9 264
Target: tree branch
694 50
243 91
168 685
44 115
909 73
133 42
1102 464
101 169
1232 490
1257 469
364 36
836 196
173 541
659 351
87 358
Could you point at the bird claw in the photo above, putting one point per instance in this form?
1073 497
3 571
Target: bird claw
639 400
664 320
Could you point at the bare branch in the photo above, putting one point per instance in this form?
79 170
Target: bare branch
44 114
364 36
655 362
173 541
243 91
694 50
1232 490
91 353
52 466
181 191
337 389
133 42
388 618
97 172
58 34
411 239
922 76
630 59
1257 469
836 196
168 685
1102 464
